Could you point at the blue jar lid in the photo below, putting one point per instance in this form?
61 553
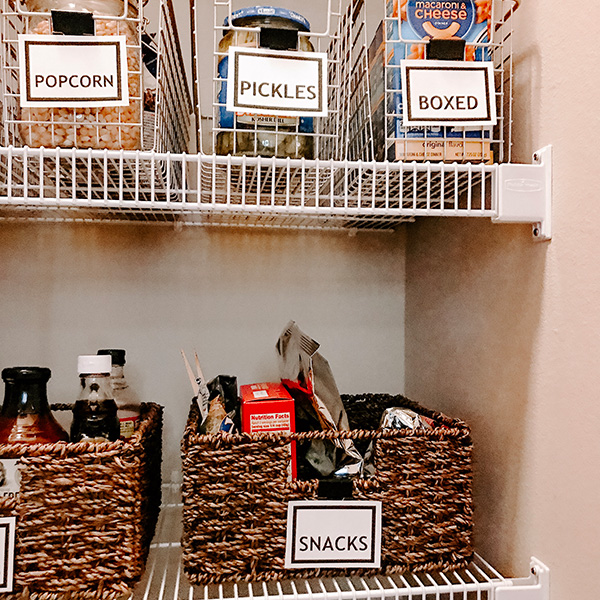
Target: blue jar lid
269 11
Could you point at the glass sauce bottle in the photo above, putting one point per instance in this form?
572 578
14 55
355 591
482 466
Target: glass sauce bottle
25 416
128 407
95 412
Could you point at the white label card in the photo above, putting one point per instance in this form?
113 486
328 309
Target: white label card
280 83
73 71
10 477
333 533
7 553
439 92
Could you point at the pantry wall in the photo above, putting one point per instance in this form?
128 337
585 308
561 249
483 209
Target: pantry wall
499 329
504 332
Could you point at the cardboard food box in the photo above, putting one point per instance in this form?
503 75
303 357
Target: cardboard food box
268 407
410 24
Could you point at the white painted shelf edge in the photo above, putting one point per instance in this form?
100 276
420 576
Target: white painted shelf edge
165 580
196 189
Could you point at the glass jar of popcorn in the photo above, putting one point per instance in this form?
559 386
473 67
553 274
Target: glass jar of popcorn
110 127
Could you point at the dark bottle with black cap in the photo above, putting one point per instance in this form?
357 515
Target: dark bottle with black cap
128 406
25 416
95 412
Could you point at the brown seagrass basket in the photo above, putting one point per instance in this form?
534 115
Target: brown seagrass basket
236 489
86 512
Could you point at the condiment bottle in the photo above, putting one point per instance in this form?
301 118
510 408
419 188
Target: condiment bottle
128 407
25 416
95 412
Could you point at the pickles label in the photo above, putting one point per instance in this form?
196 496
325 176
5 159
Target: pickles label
266 120
277 83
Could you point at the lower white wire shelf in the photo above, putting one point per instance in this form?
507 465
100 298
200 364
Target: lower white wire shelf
194 189
165 580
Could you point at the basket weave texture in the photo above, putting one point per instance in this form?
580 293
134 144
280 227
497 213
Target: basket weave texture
86 512
236 490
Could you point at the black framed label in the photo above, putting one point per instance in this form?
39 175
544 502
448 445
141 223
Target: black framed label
7 553
280 83
438 92
333 533
73 71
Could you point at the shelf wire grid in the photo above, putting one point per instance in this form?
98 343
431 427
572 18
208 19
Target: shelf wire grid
87 185
165 579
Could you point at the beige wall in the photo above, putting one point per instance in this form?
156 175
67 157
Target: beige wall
505 332
72 289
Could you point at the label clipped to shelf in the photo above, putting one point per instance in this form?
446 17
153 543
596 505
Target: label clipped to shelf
73 71
333 533
279 83
7 553
438 92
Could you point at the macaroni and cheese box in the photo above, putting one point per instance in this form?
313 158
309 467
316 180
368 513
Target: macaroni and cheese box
268 407
410 24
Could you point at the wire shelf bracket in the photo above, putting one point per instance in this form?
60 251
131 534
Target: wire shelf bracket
524 194
534 587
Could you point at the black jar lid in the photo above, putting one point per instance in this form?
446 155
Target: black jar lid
26 373
117 355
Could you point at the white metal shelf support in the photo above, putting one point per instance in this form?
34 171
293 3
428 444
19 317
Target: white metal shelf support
534 587
524 194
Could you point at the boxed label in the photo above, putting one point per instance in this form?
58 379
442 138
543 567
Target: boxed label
269 407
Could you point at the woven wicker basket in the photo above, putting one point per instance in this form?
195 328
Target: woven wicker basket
86 512
235 494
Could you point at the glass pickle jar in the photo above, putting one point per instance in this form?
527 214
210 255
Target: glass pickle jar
110 127
263 135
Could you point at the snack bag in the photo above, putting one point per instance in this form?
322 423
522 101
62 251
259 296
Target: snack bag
308 378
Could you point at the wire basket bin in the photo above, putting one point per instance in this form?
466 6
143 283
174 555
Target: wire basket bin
110 127
475 32
93 153
236 490
86 512
363 166
365 44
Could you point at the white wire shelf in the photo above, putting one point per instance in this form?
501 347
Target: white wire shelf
105 185
165 184
165 579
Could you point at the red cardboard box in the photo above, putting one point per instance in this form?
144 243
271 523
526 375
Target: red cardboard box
269 407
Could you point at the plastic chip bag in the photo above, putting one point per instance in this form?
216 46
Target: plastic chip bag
308 377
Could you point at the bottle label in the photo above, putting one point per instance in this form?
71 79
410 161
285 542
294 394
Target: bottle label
128 426
10 477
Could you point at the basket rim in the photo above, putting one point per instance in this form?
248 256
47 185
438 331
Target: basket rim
448 428
150 412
